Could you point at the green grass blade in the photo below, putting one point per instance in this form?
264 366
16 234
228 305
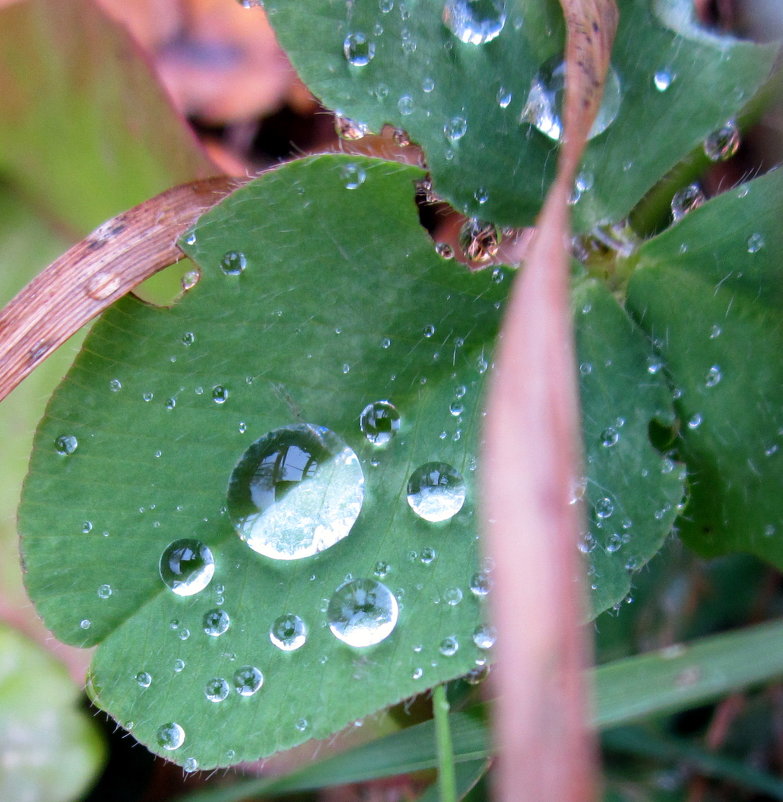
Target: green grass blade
447 781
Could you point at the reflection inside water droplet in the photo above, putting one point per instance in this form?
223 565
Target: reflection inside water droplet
65 444
686 200
187 566
248 680
296 491
547 93
358 49
288 632
379 422
436 491
216 622
217 689
722 144
475 22
362 612
233 263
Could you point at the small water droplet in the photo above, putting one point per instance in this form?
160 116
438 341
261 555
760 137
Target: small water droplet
436 491
713 377
349 130
385 6
248 680
216 622
405 105
428 556
586 368
427 85
217 689
85 623
755 242
86 527
302 724
143 679
417 673
296 491
104 591
475 22
362 612
547 90
190 279
187 566
381 569
686 200
65 445
484 636
170 403
191 764
479 240
170 736
455 128
444 250
694 421
722 144
452 596
662 80
503 97
480 584
179 665
233 263
220 394
604 508
288 632
456 409
379 422
609 437
715 331
449 646
115 385
358 49
477 675
190 239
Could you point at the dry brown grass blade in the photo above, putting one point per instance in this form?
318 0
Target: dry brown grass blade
532 458
97 271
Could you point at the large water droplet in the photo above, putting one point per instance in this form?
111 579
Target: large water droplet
217 689
362 612
288 632
547 92
296 491
379 422
216 622
436 491
187 566
475 22
479 240
248 680
233 263
455 128
358 49
722 144
65 444
170 736
686 200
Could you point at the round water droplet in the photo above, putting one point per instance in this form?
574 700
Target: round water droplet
427 556
484 636
755 242
381 569
217 689
302 724
475 22
547 91
362 612
694 421
452 596
444 250
65 444
85 623
233 263
104 591
349 130
248 680
288 632
722 144
220 394
713 377
604 507
456 408
190 279
170 736
481 195
358 49
296 491
609 437
449 646
379 422
353 175
191 764
216 622
477 675
662 80
143 679
479 240
480 584
86 527
503 97
115 385
187 566
686 200
455 128
436 491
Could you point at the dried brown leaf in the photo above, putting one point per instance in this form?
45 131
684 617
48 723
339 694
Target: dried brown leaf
95 272
531 460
